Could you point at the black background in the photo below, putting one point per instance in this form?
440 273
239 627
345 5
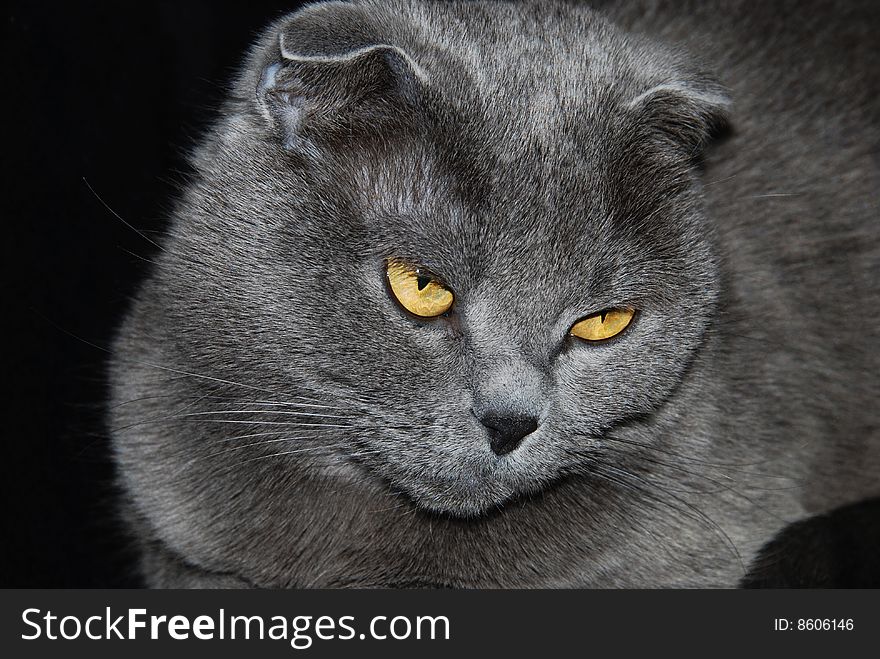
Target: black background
113 95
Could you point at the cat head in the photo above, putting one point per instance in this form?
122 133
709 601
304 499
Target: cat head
462 243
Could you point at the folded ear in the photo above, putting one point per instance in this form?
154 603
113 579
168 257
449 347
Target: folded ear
688 112
332 76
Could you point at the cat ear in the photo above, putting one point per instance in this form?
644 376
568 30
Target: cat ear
687 113
331 76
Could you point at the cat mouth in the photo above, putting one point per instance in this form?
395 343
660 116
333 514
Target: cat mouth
467 481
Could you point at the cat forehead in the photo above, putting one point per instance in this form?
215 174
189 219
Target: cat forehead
498 216
476 186
528 69
540 218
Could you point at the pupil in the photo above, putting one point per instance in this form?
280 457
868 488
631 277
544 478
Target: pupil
602 316
422 281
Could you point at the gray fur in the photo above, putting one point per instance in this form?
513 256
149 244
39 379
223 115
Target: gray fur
548 161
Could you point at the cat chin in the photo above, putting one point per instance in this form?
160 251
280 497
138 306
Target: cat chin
474 485
464 508
465 498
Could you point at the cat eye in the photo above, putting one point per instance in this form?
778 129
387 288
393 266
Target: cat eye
603 325
417 291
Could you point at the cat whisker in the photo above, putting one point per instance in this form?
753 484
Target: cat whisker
138 256
775 194
721 486
178 411
695 512
309 449
267 433
260 443
269 407
227 399
272 412
286 424
680 490
338 445
404 502
188 418
729 466
292 404
119 217
166 369
662 541
295 451
704 476
363 453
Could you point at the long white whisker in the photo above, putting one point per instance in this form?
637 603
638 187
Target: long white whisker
273 412
119 217
268 441
696 513
230 399
267 433
278 455
189 417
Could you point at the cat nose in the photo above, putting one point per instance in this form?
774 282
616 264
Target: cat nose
506 431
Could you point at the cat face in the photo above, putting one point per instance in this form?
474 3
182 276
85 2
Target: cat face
527 201
522 273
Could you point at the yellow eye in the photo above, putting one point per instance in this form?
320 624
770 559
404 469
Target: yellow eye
603 325
418 292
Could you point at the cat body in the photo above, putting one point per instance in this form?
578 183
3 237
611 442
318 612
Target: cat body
278 420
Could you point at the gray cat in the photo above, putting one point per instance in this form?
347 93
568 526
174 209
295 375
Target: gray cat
489 294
